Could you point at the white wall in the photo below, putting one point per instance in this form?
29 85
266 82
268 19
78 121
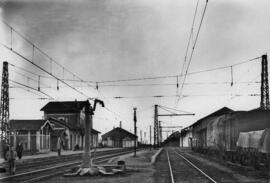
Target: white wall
184 142
128 143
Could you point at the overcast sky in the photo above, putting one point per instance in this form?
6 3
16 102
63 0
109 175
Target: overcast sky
121 39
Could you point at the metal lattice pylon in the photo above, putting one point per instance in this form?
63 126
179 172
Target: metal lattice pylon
264 84
156 133
4 107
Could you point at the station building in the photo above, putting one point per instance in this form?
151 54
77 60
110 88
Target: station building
61 119
118 137
70 115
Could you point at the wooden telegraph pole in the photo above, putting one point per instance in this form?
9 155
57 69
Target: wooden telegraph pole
150 140
150 137
135 131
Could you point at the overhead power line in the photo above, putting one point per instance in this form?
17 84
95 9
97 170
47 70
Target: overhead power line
23 88
184 96
30 72
26 86
32 79
188 44
50 73
102 83
192 51
177 110
36 65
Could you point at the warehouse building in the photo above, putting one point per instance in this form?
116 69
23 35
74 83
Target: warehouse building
118 137
199 128
186 137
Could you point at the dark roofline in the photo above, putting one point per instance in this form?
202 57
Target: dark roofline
35 124
118 128
63 103
216 113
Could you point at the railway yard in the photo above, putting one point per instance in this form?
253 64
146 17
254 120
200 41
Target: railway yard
145 91
168 165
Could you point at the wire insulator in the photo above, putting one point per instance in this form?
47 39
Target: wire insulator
177 83
231 76
57 85
38 83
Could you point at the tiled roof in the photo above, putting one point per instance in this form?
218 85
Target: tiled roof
118 133
26 124
64 106
36 125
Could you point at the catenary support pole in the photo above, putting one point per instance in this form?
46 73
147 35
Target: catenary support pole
156 126
135 131
150 136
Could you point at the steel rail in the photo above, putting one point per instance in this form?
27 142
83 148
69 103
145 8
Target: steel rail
100 159
35 179
198 169
171 173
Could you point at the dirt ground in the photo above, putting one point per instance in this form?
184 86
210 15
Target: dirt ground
139 169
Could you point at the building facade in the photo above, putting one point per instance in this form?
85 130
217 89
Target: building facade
70 115
35 135
186 137
118 137
199 128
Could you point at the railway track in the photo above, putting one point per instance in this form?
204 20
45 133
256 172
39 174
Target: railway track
174 168
189 170
57 168
44 162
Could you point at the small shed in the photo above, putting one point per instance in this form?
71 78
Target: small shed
118 137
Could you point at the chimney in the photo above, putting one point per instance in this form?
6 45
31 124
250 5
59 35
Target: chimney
120 124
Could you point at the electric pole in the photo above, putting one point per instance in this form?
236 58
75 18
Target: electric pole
135 130
150 140
160 133
141 136
156 126
264 84
4 109
144 137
